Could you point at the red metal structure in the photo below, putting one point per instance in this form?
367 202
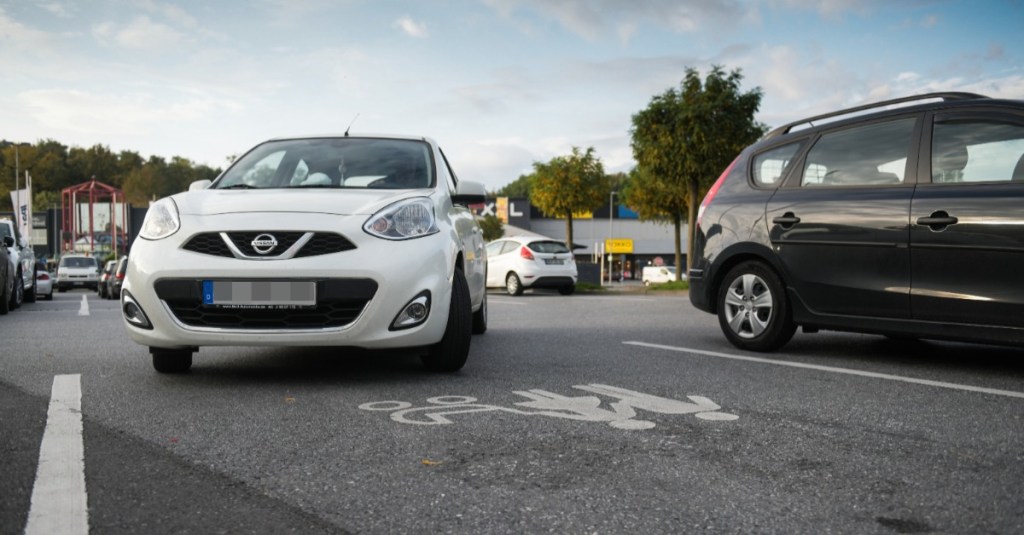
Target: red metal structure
94 194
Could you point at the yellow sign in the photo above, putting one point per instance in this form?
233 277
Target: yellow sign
618 246
501 207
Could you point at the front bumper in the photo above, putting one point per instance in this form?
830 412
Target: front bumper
161 275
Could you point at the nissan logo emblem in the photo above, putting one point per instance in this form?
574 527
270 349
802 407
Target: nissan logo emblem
264 243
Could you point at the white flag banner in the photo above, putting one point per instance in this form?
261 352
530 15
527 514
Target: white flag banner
21 199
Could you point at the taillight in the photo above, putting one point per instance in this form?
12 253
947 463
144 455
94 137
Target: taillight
44 277
120 276
525 253
714 190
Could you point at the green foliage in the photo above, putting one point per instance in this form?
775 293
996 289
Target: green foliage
673 285
55 166
492 227
517 189
569 184
684 139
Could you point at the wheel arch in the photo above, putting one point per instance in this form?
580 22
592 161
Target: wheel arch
736 255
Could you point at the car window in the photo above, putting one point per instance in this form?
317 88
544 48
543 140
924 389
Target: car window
78 262
333 163
553 247
874 154
977 151
508 247
494 248
771 165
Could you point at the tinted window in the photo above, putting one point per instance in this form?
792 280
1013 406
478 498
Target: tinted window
977 151
552 247
78 262
771 165
875 154
334 162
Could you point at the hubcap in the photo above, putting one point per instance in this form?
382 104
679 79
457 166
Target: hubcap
748 306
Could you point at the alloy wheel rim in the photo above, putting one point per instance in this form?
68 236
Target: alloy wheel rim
748 306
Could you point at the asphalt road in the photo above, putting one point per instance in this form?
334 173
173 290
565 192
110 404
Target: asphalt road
584 414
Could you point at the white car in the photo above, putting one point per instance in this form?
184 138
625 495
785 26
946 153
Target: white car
77 271
361 241
24 261
44 283
520 262
659 274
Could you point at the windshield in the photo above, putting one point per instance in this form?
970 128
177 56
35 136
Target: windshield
78 262
333 163
548 247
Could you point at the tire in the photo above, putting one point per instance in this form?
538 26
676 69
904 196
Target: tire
171 360
30 295
753 310
5 301
18 295
480 318
451 352
568 289
513 285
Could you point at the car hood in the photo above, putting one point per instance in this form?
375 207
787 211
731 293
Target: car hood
324 201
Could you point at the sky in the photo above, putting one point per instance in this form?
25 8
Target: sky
500 84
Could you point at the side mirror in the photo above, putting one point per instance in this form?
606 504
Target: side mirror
8 241
467 193
199 184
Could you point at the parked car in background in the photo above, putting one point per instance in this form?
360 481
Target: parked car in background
659 274
8 278
105 274
361 241
112 286
77 271
24 259
44 282
517 263
905 222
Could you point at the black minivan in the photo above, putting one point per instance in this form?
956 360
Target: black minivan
902 218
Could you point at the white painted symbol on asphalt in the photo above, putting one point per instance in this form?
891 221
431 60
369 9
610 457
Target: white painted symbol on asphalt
84 309
582 408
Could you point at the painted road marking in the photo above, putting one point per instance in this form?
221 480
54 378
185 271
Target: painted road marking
59 501
84 310
831 369
582 408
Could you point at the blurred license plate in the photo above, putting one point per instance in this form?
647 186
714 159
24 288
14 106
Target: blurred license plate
259 293
553 261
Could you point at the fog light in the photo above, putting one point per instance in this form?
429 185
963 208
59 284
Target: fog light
133 313
414 313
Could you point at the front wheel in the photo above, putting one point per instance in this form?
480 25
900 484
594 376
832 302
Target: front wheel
513 285
171 360
451 352
752 308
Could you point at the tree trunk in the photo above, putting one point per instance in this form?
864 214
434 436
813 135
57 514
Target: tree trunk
677 222
693 189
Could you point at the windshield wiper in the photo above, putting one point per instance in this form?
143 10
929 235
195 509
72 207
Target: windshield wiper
239 186
325 186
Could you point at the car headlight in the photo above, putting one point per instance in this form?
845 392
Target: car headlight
404 220
161 220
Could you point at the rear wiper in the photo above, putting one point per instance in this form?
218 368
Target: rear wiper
239 186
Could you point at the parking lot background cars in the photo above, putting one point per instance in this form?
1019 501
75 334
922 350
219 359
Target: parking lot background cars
518 263
108 270
362 241
24 259
44 282
77 271
903 222
8 278
113 283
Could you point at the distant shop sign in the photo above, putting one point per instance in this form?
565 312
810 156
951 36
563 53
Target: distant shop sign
618 246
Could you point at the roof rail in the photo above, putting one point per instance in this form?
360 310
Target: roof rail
785 129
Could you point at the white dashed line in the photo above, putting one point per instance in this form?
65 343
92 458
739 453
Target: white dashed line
59 501
830 369
84 310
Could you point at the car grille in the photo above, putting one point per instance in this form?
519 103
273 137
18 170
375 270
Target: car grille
321 243
339 302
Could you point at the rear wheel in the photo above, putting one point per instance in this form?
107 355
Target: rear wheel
480 318
752 308
171 360
451 352
513 285
18 295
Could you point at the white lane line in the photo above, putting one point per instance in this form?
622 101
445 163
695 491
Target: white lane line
831 369
84 310
58 498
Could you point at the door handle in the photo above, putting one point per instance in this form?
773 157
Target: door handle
786 220
938 221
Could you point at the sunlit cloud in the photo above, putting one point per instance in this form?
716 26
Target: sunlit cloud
412 28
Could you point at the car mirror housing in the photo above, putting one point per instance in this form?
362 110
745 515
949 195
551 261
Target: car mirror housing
469 193
199 185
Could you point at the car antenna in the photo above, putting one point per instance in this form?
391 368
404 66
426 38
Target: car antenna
350 124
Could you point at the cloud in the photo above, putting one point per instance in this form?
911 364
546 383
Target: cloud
140 33
412 28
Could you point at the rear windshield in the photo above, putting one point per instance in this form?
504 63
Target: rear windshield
548 247
362 163
78 262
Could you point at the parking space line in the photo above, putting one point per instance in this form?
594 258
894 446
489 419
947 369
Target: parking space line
58 504
84 309
831 369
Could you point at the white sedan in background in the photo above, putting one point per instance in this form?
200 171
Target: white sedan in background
517 263
361 241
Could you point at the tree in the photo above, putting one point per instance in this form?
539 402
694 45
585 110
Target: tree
518 188
492 227
684 139
569 184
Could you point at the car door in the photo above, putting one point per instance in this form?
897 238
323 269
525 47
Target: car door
967 220
839 224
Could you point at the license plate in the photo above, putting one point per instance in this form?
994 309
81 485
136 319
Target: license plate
261 294
553 261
